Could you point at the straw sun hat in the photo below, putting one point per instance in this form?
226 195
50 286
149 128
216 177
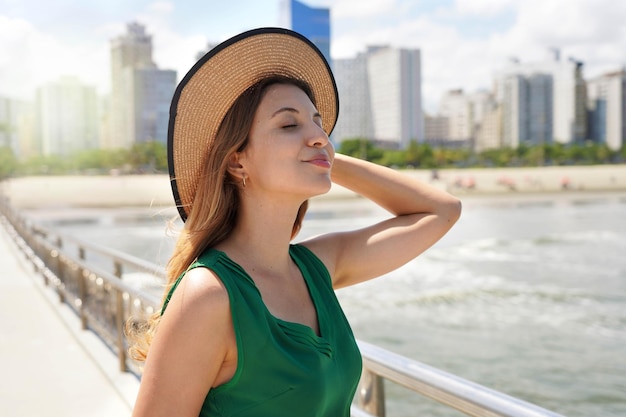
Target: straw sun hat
214 83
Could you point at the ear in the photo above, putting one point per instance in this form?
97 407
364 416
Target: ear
234 166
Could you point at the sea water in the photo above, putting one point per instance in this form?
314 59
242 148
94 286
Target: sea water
526 295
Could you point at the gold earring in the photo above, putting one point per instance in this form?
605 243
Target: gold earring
244 181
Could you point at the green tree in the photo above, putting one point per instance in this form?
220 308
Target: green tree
393 158
45 165
420 155
8 162
148 156
360 148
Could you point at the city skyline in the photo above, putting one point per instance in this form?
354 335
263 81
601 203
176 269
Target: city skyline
464 43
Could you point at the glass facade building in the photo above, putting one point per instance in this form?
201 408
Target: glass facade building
312 22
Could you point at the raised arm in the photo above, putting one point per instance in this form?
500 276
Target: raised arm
422 215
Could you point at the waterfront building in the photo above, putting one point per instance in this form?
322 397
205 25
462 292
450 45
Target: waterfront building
515 110
139 91
457 107
607 109
312 22
566 111
527 109
463 115
16 126
436 129
355 113
489 134
395 87
152 90
380 97
66 113
540 109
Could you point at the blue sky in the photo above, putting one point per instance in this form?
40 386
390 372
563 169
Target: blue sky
463 42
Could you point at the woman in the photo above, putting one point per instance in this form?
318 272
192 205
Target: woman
250 324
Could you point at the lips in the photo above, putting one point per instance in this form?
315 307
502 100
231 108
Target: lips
320 160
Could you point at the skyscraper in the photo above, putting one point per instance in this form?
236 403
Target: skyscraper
140 92
152 91
515 110
568 113
607 107
380 96
395 86
312 22
67 117
527 102
15 121
457 108
355 113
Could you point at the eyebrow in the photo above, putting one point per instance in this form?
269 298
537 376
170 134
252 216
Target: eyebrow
292 110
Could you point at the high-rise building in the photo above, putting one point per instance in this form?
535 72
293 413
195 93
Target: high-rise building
380 97
139 91
515 110
67 118
568 113
395 87
463 115
458 109
540 109
355 113
527 109
16 126
311 22
152 90
489 134
607 109
436 130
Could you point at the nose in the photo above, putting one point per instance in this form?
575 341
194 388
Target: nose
318 137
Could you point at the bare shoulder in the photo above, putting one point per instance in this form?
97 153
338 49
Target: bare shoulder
326 248
189 353
199 292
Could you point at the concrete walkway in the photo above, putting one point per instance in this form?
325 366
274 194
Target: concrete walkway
50 367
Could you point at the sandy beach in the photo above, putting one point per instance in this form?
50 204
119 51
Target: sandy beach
154 190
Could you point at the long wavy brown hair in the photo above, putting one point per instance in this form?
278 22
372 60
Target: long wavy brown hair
213 213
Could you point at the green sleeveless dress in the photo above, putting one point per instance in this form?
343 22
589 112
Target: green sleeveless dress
284 368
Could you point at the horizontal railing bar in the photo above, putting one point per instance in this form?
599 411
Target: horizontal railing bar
113 254
112 279
458 393
357 412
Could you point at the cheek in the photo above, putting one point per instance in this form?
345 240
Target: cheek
330 148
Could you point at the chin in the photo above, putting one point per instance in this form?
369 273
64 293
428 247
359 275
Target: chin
323 190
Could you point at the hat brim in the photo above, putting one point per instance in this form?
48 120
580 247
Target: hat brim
210 88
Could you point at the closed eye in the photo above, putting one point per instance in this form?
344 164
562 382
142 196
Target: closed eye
289 126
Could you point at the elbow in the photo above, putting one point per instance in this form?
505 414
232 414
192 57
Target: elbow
451 210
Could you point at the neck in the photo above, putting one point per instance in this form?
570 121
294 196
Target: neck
261 239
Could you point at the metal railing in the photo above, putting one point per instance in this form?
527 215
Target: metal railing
90 279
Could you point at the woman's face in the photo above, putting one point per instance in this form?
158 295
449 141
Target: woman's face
288 152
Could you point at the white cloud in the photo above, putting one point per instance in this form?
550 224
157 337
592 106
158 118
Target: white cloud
171 50
482 8
31 58
364 8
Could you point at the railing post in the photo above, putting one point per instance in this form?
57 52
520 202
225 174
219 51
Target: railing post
119 324
119 320
118 269
60 273
82 290
371 393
